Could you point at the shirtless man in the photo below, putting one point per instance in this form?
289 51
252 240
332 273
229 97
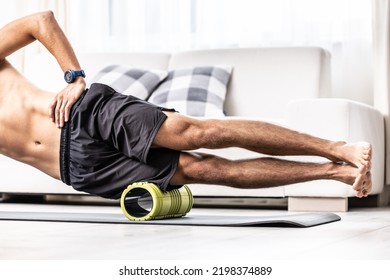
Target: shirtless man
45 130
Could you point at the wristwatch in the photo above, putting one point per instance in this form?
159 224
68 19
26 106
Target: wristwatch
71 75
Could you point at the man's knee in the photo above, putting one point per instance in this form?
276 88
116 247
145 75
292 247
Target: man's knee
203 134
184 172
195 136
195 133
184 133
199 168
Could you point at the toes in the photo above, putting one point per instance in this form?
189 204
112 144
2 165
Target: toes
366 146
366 166
368 184
363 185
365 157
366 151
357 185
363 169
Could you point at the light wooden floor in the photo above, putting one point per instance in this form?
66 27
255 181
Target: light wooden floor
361 234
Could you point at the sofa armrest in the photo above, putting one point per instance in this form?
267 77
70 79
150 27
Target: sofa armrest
341 119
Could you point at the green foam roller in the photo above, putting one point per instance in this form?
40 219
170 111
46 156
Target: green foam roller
146 201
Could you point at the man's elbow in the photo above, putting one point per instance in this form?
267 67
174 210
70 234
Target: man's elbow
43 21
45 16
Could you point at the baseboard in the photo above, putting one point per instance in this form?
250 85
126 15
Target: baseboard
291 203
81 199
241 202
199 201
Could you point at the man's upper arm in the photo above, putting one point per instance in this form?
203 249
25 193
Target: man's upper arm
16 35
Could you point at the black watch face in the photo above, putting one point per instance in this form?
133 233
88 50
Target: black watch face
68 76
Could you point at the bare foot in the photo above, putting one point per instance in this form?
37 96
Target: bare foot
363 185
359 180
357 154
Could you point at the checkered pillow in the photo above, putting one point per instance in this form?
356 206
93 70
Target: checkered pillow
198 91
130 81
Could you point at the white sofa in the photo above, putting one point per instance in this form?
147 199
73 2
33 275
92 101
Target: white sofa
287 86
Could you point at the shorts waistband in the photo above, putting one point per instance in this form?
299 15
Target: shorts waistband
65 144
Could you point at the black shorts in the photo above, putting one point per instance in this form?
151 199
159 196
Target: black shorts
106 144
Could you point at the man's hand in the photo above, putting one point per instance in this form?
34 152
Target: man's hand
43 26
64 100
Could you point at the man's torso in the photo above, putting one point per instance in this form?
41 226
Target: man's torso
27 134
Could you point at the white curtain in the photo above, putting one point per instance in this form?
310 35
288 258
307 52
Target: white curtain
10 10
344 27
381 16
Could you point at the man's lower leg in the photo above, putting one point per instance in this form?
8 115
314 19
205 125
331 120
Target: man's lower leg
271 139
263 172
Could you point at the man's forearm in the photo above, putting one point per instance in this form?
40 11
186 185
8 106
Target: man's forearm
44 28
49 33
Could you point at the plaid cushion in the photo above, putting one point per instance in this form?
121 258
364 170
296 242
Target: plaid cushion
198 91
130 81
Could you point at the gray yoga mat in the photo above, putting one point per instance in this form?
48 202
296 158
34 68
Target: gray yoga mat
288 220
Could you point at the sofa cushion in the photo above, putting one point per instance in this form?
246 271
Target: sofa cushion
130 81
197 91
